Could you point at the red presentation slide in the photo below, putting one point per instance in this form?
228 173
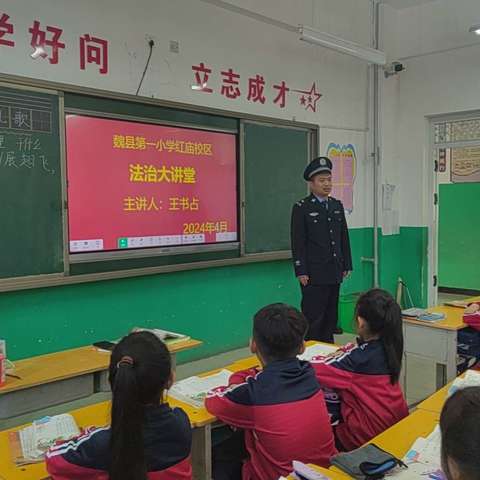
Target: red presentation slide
139 185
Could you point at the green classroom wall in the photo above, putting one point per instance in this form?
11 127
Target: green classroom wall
459 236
405 256
214 305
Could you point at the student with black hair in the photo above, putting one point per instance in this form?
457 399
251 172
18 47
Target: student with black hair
147 440
460 429
281 410
367 397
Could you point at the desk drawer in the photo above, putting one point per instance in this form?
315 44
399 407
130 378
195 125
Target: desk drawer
426 341
35 398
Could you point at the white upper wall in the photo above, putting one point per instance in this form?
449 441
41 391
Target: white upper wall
433 83
219 38
436 26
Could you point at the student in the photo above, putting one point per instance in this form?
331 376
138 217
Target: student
473 308
147 439
364 376
460 427
281 410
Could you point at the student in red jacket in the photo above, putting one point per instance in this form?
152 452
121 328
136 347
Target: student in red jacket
147 440
281 410
366 397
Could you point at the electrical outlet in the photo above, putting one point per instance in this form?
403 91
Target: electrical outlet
174 46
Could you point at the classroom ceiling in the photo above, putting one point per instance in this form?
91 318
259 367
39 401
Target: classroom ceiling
399 4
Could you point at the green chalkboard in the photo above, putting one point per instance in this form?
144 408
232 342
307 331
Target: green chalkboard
275 158
31 240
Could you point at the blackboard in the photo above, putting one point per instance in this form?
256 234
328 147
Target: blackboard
31 238
275 158
31 179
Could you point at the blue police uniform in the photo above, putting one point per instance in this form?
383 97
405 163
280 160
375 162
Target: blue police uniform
321 250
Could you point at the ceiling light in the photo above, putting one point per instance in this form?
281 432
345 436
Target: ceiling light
333 42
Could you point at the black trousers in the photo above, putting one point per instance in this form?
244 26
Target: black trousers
320 306
228 454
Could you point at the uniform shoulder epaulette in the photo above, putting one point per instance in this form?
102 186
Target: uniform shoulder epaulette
301 202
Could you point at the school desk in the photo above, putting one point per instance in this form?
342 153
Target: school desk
253 362
397 440
204 421
435 342
60 377
97 414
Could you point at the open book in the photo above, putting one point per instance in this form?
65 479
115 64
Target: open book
423 459
193 390
164 335
317 350
30 444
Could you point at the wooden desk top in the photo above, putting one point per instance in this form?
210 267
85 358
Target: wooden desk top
436 401
453 320
397 440
57 366
97 415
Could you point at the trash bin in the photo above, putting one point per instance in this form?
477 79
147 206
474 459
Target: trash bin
346 311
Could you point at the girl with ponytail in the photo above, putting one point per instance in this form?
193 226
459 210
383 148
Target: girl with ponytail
147 440
361 380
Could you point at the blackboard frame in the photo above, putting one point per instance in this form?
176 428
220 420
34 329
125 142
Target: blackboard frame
153 251
65 278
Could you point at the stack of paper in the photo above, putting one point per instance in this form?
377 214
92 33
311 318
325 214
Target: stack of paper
30 444
317 350
423 459
457 303
193 390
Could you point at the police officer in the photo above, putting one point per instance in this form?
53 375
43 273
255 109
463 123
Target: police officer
321 250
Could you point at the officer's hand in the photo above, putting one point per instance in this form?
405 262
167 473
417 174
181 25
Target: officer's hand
346 274
303 279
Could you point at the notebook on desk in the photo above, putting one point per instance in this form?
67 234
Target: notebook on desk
413 312
193 390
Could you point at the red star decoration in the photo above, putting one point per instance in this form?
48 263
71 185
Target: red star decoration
313 97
